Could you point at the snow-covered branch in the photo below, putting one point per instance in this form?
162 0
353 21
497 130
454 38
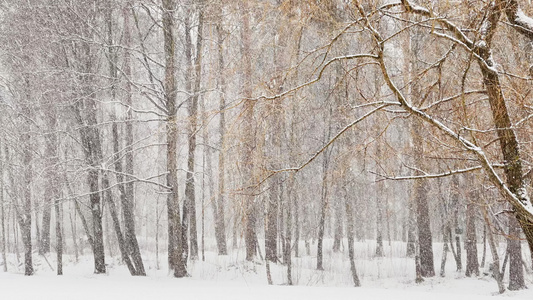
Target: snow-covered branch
429 176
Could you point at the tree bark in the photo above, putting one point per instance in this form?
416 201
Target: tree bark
271 234
411 230
2 210
24 216
444 252
494 250
287 259
175 244
350 234
122 244
220 227
472 264
338 222
516 272
59 235
250 237
194 74
422 208
379 218
322 216
128 192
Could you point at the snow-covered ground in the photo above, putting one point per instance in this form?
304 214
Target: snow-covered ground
229 277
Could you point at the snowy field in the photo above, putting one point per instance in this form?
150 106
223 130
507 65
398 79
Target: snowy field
229 277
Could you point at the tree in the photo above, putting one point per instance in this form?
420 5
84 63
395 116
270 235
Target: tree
472 263
250 205
219 204
175 231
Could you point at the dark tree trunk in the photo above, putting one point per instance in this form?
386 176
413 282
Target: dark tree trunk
44 244
337 236
96 209
175 242
380 186
516 272
379 229
85 111
296 210
271 235
90 137
193 77
127 189
51 189
122 244
322 216
455 205
422 208
472 264
24 216
288 235
130 251
420 187
411 230
418 265
59 236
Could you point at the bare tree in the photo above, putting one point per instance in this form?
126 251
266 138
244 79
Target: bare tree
175 233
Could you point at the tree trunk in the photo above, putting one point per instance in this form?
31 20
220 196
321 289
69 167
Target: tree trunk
516 272
297 227
379 221
288 234
337 236
193 77
494 250
44 244
74 236
91 142
444 253
411 230
175 244
220 227
422 208
271 234
502 122
322 216
51 190
350 234
250 237
2 210
122 244
472 264
59 236
455 206
127 190
25 215
82 217
484 246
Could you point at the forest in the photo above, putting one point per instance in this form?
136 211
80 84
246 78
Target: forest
303 142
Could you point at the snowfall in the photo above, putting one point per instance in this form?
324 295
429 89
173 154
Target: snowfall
231 277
